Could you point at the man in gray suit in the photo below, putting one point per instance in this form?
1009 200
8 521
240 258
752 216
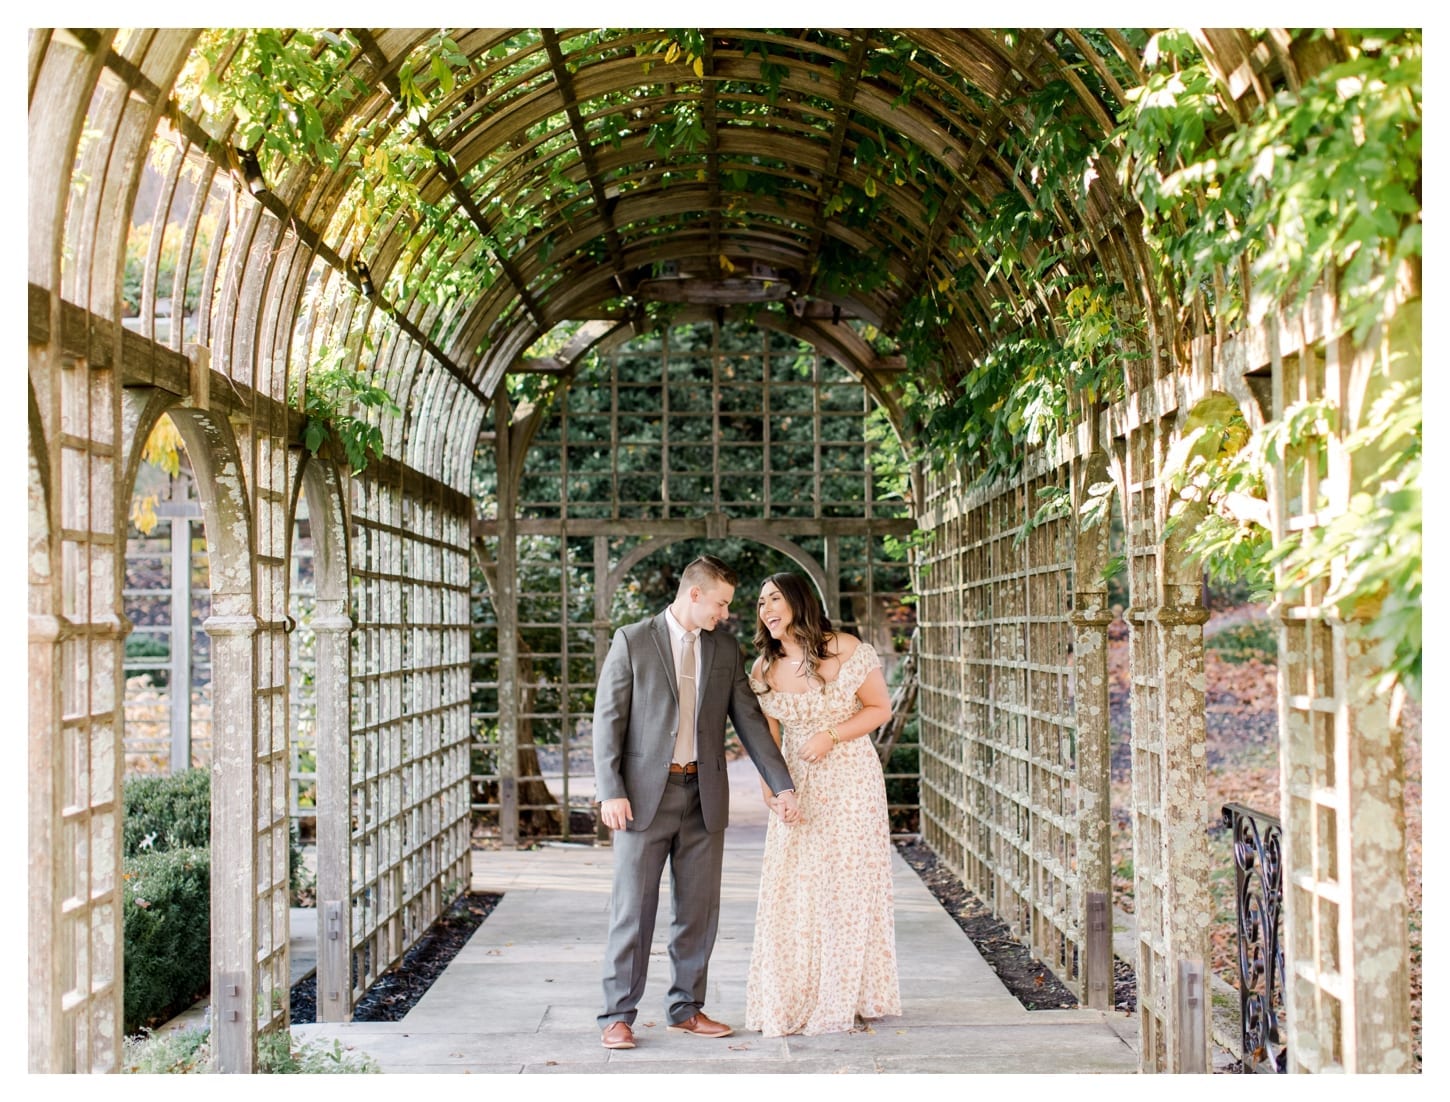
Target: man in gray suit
659 768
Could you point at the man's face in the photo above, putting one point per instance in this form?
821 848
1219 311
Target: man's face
709 605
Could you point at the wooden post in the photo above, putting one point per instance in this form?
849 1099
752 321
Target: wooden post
233 848
1090 620
832 595
508 627
334 817
1097 978
1187 861
180 643
1192 1031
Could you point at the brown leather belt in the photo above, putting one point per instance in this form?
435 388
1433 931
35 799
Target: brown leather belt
690 768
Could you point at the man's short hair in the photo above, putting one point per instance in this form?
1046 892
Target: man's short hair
705 570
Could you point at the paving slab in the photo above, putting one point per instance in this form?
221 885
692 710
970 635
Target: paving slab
522 995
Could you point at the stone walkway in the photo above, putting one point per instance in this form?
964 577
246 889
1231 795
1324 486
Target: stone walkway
522 994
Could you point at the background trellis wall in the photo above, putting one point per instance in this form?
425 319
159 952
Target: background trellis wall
702 430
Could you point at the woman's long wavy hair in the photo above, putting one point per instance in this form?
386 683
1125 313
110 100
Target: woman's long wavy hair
809 624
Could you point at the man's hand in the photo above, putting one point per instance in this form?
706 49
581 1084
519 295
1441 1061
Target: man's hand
614 813
786 806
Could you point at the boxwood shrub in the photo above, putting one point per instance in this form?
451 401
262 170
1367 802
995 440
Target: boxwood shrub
166 868
174 812
167 812
166 909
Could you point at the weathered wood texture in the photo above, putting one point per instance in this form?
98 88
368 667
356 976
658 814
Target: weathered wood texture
998 719
1341 753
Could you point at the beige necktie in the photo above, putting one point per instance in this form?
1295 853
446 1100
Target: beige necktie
685 739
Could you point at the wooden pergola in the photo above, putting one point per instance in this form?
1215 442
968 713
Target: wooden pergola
581 188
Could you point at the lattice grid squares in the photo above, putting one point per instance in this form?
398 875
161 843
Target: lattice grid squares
1318 933
1149 873
998 731
272 762
410 722
87 931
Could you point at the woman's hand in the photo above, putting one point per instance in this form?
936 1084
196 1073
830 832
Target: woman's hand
816 748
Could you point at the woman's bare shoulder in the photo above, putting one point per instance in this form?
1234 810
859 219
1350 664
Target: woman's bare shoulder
841 645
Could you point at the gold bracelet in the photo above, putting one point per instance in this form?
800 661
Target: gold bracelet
835 738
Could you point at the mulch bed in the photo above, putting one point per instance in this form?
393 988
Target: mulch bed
1032 983
398 990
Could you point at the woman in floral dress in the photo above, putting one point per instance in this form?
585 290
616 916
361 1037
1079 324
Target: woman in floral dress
825 936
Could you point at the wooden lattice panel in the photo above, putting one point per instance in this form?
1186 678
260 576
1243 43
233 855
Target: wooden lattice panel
86 858
272 761
1345 932
999 797
1141 537
751 427
410 722
944 718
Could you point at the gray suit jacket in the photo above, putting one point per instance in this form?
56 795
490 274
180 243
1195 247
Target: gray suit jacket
636 713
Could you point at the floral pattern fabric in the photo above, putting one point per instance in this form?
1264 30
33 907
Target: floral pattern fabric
825 932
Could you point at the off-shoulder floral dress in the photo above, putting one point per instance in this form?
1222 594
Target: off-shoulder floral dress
825 934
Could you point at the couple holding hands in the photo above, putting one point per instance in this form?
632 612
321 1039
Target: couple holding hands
824 955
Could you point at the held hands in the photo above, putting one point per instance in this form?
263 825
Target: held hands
614 813
786 807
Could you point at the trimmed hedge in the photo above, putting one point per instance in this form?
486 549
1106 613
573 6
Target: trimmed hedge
166 906
173 811
166 868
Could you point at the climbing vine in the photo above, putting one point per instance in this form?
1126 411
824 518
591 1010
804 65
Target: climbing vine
1319 186
1011 322
337 396
161 450
1322 180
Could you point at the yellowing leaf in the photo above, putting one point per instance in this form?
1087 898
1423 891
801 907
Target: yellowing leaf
143 514
943 283
672 53
162 448
699 66
725 265
871 186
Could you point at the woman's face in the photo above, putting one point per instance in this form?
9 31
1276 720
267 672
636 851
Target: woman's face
774 610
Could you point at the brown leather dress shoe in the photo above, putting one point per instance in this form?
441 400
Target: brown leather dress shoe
702 1026
618 1035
